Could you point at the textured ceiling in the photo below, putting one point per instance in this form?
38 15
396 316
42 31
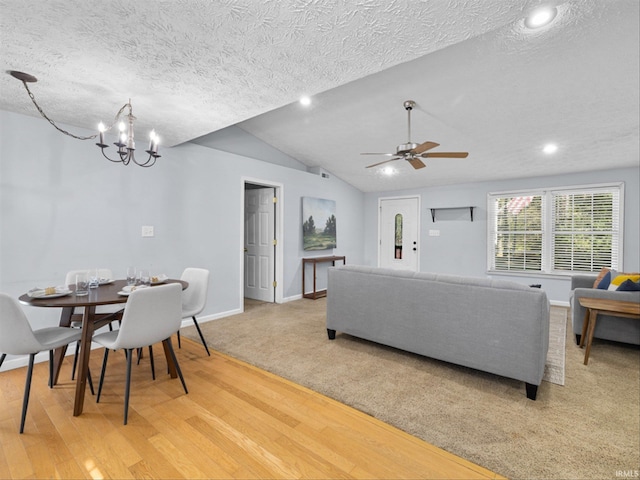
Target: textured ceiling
482 82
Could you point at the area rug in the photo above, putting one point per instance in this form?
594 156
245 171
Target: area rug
554 366
586 429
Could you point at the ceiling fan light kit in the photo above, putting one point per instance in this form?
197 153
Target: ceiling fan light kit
412 152
125 143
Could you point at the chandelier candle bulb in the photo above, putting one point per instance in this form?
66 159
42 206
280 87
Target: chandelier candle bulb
101 130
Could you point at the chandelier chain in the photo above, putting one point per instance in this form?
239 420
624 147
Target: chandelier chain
44 115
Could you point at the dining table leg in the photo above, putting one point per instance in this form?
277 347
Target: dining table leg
173 373
83 358
59 353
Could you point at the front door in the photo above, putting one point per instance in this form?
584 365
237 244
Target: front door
399 227
259 241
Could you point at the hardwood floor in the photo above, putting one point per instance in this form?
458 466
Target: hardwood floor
236 422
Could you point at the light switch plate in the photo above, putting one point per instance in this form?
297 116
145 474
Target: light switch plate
147 231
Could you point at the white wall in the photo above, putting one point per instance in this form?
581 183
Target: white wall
462 245
63 206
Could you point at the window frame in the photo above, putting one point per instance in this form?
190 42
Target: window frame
547 227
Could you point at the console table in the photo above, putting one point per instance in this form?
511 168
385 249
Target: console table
596 306
315 260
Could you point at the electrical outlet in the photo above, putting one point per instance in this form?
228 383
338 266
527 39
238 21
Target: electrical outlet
147 231
434 233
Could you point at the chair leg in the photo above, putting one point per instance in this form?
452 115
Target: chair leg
153 367
90 380
201 336
127 386
179 343
50 368
140 352
75 361
27 391
175 362
104 369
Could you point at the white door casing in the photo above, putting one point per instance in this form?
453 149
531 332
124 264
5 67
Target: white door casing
399 227
259 232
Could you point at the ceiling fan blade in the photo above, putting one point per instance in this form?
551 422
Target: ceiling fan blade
386 154
386 161
423 147
416 163
446 155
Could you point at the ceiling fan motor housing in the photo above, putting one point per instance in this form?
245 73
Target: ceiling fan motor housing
405 148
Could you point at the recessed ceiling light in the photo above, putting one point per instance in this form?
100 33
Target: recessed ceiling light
306 101
388 171
541 17
550 148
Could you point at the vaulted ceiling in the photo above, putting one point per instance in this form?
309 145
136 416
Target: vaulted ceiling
482 81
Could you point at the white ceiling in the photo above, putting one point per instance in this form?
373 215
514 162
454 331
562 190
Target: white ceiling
483 83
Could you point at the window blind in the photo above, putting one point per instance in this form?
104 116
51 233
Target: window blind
585 229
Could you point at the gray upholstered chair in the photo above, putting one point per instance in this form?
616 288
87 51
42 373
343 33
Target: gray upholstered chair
18 338
151 315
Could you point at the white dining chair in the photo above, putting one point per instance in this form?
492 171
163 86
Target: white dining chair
18 338
194 298
101 311
151 315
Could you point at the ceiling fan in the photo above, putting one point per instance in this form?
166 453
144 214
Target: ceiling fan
412 152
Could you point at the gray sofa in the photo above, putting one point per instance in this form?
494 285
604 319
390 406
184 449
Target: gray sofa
491 325
618 329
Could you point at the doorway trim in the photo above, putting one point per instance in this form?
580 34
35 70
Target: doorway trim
418 227
278 264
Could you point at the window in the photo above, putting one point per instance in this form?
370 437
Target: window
555 231
398 236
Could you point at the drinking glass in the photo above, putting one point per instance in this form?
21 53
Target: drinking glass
145 278
82 284
94 278
131 276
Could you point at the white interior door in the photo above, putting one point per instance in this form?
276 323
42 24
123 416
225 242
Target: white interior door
259 236
398 244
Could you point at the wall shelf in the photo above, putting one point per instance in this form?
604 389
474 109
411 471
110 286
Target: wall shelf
433 211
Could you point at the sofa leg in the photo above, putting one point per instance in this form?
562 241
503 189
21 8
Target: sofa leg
578 338
532 391
331 333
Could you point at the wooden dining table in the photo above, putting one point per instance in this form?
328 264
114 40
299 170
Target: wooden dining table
105 294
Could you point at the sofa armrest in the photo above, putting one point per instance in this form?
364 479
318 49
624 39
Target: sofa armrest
582 281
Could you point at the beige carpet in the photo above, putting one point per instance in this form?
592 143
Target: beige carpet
588 428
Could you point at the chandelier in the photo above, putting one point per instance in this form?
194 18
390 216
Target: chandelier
126 144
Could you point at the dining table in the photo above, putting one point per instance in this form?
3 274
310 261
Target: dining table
107 293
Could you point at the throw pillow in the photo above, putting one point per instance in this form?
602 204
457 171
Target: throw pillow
605 281
629 286
621 278
600 276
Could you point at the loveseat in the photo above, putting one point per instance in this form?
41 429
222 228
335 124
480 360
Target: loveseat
608 327
497 326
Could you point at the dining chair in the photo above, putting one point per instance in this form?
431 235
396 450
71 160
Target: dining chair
102 310
151 315
18 338
194 298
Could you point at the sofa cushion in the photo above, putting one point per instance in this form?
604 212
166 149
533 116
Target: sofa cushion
600 276
621 278
605 281
629 286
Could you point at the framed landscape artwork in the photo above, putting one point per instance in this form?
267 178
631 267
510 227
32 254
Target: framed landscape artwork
318 223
